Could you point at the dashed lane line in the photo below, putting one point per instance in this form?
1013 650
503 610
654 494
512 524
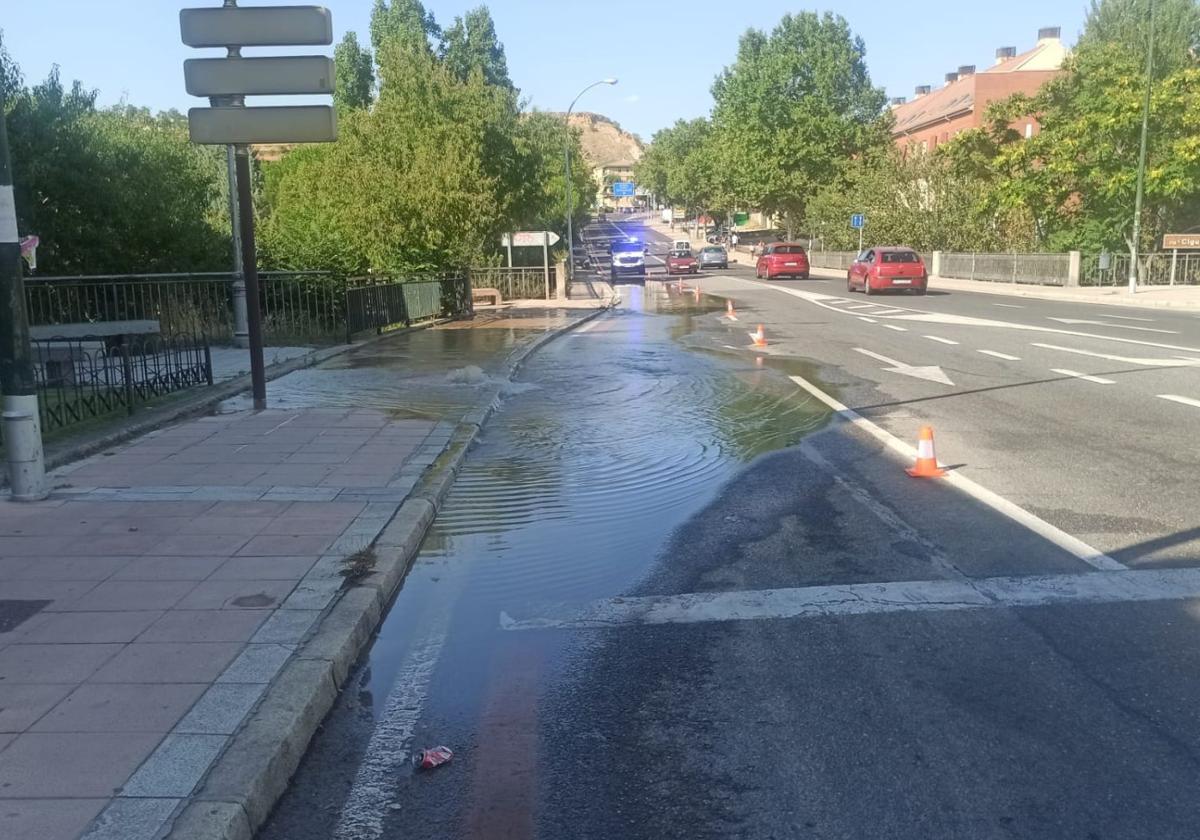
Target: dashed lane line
1175 398
938 338
1008 305
1000 355
896 328
1072 545
1099 380
1147 361
868 320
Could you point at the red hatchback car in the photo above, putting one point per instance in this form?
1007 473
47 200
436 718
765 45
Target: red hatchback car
879 269
782 259
682 262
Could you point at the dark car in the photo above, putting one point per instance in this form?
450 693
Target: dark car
714 256
782 259
682 262
886 268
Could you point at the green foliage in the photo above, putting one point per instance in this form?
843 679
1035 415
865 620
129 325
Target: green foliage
682 167
1125 25
354 70
541 139
111 191
11 81
471 45
403 23
793 110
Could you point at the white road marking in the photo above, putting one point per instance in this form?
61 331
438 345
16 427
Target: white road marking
1099 380
939 338
1008 305
890 312
1072 545
863 306
896 328
931 372
1119 326
1181 400
1130 318
389 749
868 320
1116 587
1000 355
1129 360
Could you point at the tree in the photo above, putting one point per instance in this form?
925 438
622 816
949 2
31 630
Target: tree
354 70
403 22
541 203
11 81
1126 24
470 45
115 191
683 166
794 108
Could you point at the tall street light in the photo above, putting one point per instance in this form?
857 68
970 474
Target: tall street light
567 158
1141 173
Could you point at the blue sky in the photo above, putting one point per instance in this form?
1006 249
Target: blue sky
665 54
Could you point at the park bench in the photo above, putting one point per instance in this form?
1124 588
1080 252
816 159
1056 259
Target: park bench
487 294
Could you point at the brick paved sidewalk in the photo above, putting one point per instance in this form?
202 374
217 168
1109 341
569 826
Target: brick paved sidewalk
146 607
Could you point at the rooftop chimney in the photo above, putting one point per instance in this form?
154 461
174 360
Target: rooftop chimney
898 100
951 77
1005 53
922 90
1050 33
966 70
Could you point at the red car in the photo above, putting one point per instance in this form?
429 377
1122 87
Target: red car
782 259
879 269
682 262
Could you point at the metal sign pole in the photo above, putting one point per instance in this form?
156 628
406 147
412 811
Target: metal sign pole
546 261
258 378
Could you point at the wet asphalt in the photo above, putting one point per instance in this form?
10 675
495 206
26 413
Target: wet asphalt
655 453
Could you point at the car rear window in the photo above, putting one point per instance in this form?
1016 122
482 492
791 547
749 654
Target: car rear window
788 249
900 257
713 250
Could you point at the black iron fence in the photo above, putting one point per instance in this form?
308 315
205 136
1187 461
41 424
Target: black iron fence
307 307
81 379
516 283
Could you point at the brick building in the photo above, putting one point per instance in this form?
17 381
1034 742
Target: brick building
932 117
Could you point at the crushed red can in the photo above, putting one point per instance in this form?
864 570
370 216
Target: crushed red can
433 757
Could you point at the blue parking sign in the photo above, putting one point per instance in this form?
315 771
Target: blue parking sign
858 221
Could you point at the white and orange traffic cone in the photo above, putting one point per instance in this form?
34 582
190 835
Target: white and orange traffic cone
759 337
697 290
927 465
729 311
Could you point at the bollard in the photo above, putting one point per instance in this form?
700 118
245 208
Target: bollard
23 445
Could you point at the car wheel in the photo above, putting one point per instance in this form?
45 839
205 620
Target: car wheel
804 276
919 292
867 287
849 285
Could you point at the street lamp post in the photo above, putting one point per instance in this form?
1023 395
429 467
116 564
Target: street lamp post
1141 173
567 158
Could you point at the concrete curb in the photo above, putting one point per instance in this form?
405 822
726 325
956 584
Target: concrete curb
241 788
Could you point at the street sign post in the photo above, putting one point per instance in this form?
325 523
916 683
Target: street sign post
228 122
858 221
533 239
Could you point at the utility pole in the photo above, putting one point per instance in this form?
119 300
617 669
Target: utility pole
258 376
567 160
241 329
1141 172
22 424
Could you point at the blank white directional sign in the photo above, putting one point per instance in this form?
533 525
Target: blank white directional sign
273 76
263 26
277 124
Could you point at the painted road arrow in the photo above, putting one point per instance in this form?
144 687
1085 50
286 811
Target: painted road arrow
931 372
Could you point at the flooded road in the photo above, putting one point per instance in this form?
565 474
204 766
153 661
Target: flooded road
612 437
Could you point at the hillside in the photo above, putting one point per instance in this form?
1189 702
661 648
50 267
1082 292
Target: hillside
604 142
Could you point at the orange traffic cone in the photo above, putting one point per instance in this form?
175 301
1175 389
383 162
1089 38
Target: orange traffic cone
729 311
759 337
697 290
927 465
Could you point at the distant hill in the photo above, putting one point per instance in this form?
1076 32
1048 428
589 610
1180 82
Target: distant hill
604 142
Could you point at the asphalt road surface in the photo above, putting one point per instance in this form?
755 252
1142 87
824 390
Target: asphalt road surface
685 589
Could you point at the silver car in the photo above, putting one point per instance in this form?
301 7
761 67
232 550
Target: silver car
713 256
